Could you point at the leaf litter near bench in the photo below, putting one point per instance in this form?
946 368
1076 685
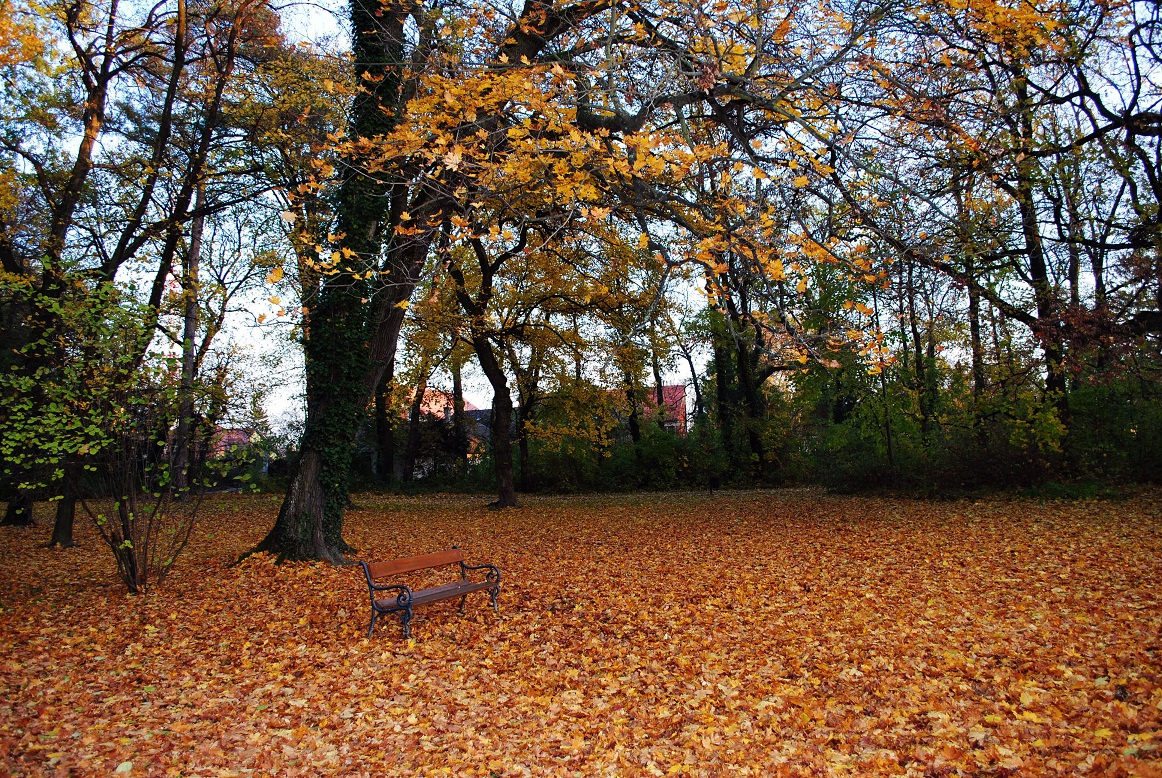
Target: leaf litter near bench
758 633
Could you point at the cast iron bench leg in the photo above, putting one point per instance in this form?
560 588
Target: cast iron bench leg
374 616
463 597
405 617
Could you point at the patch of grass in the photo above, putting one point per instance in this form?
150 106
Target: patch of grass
1074 490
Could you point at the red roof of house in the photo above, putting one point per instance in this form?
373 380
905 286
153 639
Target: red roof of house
226 438
673 401
437 402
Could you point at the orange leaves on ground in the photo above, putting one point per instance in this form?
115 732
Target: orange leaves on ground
763 633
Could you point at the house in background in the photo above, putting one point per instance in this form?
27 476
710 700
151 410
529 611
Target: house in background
440 405
673 410
433 449
673 407
227 438
674 415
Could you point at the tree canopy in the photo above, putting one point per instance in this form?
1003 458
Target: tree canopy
924 237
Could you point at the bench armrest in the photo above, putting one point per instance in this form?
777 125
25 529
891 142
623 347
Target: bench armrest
403 597
493 575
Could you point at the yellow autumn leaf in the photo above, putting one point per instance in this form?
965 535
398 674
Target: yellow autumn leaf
454 158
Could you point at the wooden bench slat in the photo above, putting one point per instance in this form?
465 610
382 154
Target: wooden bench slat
442 592
448 590
413 563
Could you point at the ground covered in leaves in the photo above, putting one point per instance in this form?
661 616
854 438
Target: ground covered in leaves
761 633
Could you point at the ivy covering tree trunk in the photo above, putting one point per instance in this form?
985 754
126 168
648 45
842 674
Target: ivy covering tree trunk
353 325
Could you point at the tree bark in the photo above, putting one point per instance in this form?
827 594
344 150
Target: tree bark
385 427
298 534
659 388
978 374
459 418
66 509
526 475
723 386
884 394
699 408
750 384
635 428
344 364
1048 306
921 366
190 293
501 423
414 418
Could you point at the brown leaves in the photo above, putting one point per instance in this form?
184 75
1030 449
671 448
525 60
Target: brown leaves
761 633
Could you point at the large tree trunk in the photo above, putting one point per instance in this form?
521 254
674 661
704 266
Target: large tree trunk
526 474
502 448
528 384
884 393
723 386
635 427
974 335
525 416
659 387
978 377
298 533
699 407
66 509
748 351
1048 306
344 365
337 365
750 382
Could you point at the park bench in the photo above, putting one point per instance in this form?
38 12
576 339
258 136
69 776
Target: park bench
405 599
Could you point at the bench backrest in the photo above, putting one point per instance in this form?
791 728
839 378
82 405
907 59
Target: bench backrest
412 563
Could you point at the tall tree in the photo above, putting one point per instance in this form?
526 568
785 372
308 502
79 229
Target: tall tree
104 182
